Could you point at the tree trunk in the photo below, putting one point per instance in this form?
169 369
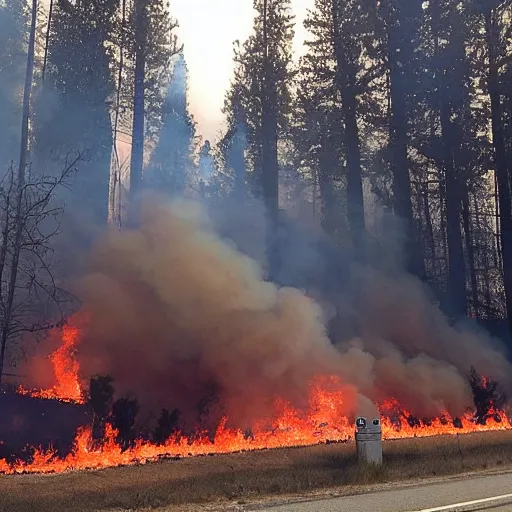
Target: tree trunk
325 180
115 170
500 162
456 274
7 224
346 84
47 40
270 165
137 154
314 199
429 228
399 83
468 232
239 167
487 284
236 156
20 187
497 242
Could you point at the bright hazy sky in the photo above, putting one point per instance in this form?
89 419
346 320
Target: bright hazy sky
208 29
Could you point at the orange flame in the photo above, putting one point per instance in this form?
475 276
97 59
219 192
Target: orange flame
324 421
443 425
290 428
65 369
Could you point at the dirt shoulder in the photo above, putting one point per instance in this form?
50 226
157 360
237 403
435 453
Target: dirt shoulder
263 503
230 481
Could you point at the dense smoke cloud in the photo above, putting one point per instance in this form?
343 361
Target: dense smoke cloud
173 308
407 349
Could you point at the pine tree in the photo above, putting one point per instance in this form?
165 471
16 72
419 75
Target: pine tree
171 160
318 121
339 95
154 46
495 17
349 23
263 75
206 163
232 146
450 102
73 107
141 31
506 87
13 42
400 31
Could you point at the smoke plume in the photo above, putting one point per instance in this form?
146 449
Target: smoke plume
407 348
180 317
173 309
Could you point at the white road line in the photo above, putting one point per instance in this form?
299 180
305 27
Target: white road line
456 506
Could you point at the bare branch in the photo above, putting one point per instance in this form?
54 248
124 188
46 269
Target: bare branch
30 218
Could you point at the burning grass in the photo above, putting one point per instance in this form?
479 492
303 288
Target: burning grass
113 438
246 476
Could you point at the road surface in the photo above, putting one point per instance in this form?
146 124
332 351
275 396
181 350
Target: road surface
437 497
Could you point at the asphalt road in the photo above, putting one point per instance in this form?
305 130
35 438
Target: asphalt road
422 498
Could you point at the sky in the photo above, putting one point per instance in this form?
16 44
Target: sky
207 30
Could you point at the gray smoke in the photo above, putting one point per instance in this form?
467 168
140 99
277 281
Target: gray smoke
410 351
173 307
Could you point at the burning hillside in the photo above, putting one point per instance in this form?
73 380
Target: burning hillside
186 350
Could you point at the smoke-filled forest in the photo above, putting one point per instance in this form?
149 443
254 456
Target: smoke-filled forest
352 218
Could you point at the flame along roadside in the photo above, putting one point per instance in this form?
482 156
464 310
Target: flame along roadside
324 422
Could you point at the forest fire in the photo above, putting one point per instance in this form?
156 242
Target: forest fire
320 260
65 367
322 423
